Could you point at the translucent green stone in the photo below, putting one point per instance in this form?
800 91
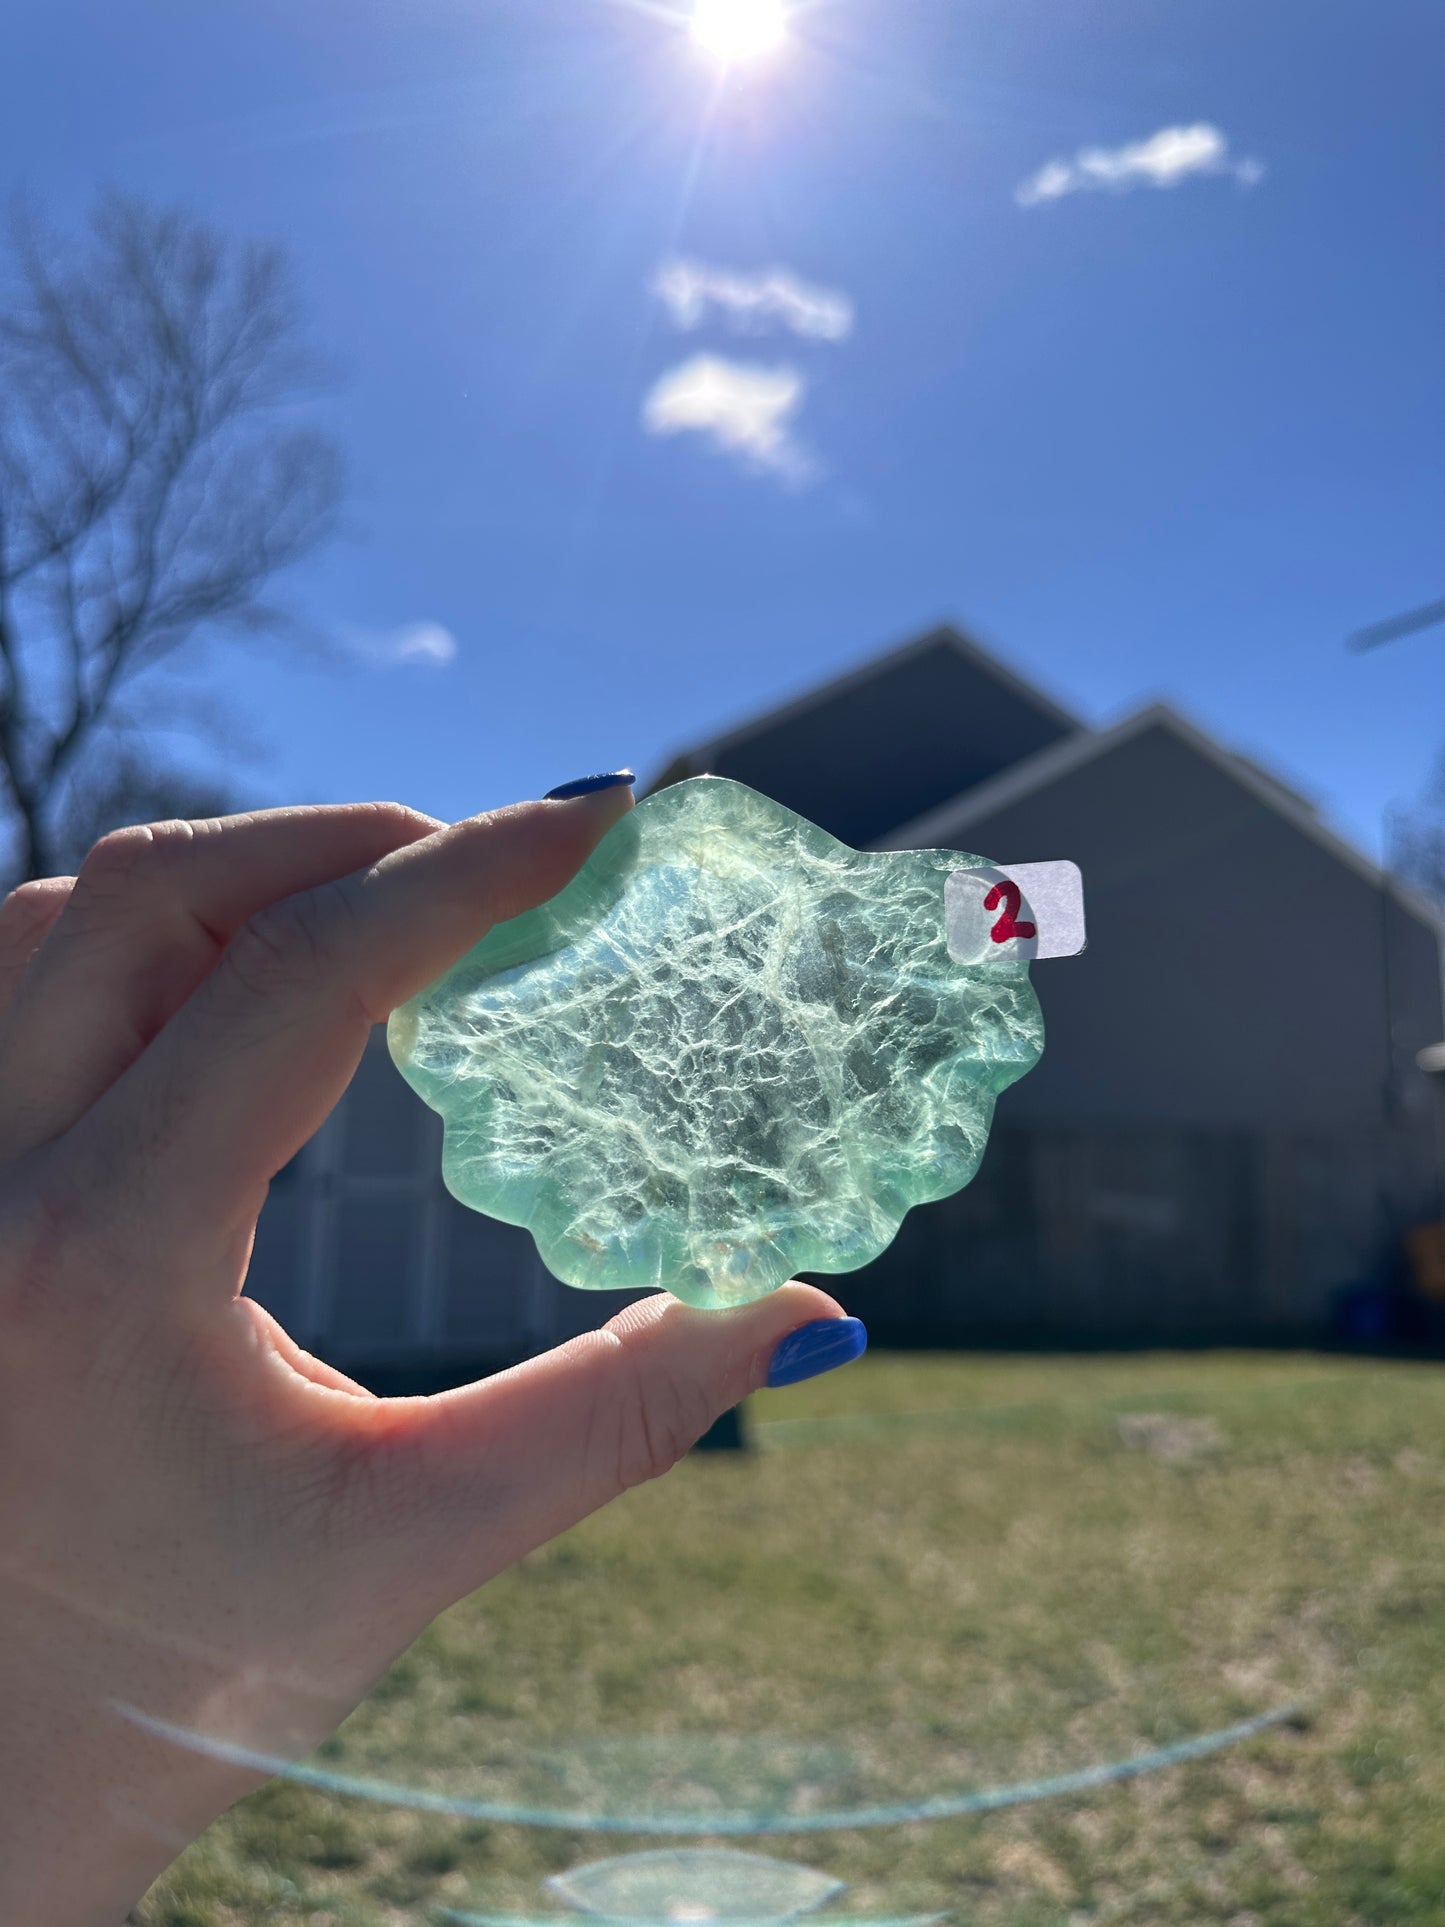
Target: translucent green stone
730 1050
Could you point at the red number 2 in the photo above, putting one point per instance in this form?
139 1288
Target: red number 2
1011 897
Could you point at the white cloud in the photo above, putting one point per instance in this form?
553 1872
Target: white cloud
752 303
1163 160
410 642
743 409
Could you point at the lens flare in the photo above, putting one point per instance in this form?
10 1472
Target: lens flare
738 29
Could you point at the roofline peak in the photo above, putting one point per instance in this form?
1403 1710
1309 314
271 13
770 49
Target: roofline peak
1060 759
695 760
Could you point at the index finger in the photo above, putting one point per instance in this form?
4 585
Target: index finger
250 1066
152 910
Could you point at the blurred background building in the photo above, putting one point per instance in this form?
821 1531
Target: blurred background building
1228 1137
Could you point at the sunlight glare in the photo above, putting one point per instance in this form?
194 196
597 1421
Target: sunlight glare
738 29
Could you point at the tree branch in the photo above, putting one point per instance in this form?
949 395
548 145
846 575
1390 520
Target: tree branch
147 494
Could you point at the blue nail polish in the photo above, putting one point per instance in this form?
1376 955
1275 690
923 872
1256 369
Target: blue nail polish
588 785
817 1348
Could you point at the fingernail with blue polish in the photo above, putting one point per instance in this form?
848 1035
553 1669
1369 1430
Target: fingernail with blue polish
817 1348
589 785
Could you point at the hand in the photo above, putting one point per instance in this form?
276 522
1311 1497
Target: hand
197 1518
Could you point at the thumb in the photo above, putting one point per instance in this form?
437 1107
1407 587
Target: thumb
511 1462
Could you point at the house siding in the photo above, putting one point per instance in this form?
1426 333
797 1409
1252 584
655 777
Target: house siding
1227 1129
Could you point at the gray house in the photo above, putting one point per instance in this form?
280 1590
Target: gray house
1227 1129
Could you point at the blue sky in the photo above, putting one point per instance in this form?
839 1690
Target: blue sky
1166 422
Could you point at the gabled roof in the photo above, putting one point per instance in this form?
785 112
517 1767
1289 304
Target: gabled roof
945 636
942 827
883 742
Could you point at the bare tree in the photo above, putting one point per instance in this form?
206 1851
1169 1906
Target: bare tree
153 481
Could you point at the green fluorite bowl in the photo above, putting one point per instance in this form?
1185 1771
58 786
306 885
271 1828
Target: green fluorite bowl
730 1050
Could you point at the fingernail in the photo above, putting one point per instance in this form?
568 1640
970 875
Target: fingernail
587 785
820 1347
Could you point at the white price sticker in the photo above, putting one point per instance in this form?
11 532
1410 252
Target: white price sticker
1017 910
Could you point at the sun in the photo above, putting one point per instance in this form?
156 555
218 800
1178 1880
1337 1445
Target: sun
738 29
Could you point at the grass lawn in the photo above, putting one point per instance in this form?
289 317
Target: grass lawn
964 1571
